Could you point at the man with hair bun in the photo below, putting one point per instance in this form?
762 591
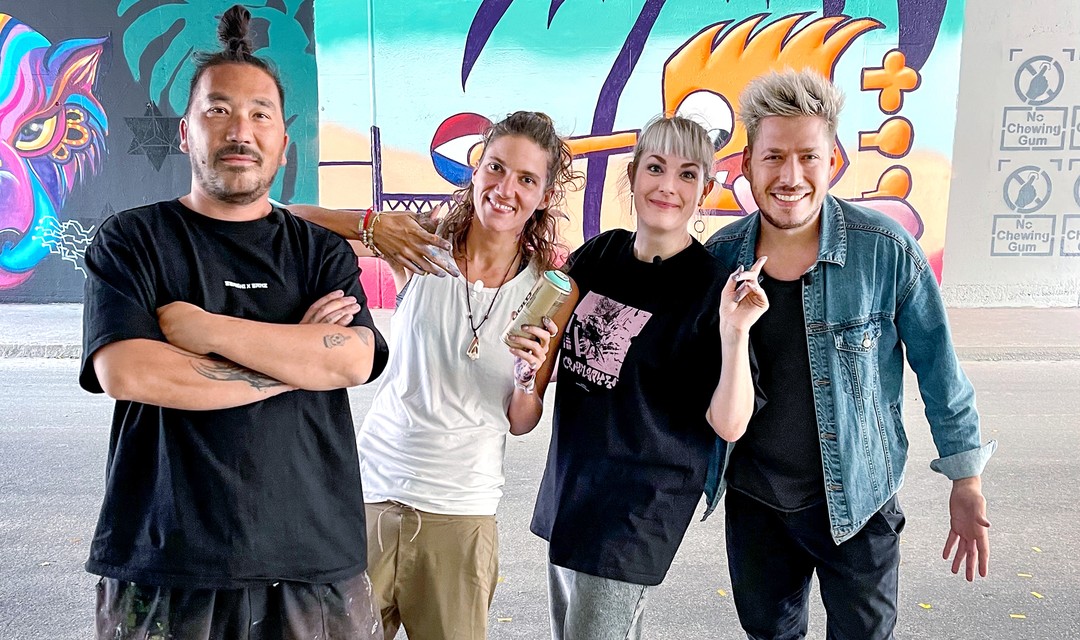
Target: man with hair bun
227 330
813 476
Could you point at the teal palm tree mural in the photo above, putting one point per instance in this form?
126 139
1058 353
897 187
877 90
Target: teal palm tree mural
159 42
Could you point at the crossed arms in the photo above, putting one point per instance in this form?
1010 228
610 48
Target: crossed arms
213 361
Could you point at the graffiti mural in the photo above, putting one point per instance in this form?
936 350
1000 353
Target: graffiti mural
421 88
163 35
52 135
385 106
91 95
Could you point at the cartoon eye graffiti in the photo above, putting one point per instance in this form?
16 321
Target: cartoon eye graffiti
37 133
712 111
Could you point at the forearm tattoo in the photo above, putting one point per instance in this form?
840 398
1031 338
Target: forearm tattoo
523 371
225 371
334 340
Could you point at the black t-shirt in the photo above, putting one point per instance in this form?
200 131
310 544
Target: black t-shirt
231 498
778 460
630 446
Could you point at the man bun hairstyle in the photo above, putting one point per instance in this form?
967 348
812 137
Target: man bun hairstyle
235 38
233 33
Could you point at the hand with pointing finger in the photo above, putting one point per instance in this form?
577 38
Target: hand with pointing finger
743 300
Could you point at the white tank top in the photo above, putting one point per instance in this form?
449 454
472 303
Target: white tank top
435 435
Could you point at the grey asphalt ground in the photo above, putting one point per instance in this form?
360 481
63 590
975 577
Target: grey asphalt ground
1025 365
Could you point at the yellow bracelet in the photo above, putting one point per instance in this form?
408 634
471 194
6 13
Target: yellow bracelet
371 235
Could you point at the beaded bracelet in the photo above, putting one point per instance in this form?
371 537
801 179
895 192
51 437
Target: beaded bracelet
367 231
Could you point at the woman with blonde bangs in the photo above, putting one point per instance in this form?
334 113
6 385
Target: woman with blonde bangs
653 364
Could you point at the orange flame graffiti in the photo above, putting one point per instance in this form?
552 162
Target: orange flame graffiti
723 64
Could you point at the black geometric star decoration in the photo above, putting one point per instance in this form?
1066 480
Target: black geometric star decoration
154 135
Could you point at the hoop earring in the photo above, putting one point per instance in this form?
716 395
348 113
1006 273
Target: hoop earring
699 223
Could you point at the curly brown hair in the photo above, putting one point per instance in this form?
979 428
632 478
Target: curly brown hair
540 237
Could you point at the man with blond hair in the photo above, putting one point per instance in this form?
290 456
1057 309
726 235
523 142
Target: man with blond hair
813 479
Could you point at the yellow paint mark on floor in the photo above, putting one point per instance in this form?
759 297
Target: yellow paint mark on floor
1036 550
1038 595
1024 575
504 619
925 605
1018 616
722 592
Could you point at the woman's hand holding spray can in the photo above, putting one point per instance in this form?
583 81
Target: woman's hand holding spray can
548 294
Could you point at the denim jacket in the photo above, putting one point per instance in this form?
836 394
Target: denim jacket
870 296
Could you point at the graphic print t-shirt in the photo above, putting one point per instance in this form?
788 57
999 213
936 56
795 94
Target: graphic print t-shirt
598 341
231 498
630 446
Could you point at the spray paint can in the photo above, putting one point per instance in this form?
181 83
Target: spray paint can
547 295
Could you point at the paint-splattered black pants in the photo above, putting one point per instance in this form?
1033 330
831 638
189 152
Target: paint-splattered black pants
280 611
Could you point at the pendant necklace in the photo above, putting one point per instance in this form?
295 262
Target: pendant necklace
474 345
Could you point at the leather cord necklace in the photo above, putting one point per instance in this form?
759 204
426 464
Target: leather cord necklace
473 352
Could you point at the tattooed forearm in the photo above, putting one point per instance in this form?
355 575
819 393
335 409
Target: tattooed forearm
334 340
227 372
361 332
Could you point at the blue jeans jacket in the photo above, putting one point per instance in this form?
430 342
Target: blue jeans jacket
870 296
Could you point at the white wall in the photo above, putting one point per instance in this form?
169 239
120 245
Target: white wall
1007 245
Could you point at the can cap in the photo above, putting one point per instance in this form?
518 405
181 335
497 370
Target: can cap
559 279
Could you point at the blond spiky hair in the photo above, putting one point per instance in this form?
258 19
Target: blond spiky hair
790 94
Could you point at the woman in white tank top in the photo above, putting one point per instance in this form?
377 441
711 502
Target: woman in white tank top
431 446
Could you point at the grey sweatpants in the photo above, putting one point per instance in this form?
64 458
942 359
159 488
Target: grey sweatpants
587 607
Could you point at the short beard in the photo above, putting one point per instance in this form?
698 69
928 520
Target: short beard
214 186
787 226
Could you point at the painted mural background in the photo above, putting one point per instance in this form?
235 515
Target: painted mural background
386 100
90 98
404 93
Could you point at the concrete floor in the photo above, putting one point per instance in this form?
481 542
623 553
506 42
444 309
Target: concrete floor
53 440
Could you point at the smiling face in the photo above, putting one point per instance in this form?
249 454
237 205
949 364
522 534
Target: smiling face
789 166
510 183
667 190
234 133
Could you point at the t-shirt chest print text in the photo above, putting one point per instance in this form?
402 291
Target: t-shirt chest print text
595 346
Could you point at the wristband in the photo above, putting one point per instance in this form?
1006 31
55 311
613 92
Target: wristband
367 231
